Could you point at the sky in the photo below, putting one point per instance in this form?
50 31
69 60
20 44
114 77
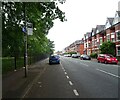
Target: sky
82 16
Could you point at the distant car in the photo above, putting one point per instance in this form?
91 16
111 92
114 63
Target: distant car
85 57
54 59
74 56
107 58
67 55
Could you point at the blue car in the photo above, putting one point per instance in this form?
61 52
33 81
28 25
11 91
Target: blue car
54 59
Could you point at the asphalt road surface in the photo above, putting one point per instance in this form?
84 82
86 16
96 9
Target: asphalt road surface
75 78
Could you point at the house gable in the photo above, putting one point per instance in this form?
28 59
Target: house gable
109 23
116 18
99 28
93 31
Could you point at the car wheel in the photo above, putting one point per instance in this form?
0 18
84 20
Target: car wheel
105 62
98 61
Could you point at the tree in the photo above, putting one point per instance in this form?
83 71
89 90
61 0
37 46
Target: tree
41 14
108 48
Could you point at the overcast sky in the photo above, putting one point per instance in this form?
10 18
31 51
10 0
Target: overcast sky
82 16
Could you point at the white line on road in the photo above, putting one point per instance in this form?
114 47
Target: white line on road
62 67
75 92
108 73
65 73
67 77
70 83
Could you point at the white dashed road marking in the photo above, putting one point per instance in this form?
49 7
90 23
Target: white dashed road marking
67 77
75 92
65 73
70 83
108 73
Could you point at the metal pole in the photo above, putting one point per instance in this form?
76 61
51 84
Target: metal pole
25 45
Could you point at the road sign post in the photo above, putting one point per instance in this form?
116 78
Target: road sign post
25 44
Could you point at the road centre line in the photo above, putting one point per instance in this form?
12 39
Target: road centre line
108 73
62 66
70 83
65 73
67 77
75 92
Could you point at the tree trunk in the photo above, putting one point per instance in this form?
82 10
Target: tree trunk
15 59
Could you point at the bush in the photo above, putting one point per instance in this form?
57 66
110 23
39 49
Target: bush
93 55
118 58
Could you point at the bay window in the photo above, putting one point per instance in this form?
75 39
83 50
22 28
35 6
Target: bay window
118 35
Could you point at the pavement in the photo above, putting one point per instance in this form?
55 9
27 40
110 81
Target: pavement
15 84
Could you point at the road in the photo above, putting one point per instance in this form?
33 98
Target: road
75 78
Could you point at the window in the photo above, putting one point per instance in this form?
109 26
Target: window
95 42
108 37
89 44
100 40
118 51
118 36
113 37
92 43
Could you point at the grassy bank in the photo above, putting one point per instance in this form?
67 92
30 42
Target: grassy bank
8 64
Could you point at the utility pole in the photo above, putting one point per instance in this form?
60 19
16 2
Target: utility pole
25 44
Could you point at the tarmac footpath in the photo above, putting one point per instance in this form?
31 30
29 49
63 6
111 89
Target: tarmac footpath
15 85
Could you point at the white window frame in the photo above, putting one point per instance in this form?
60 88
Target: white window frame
113 34
117 50
101 41
107 37
117 35
95 42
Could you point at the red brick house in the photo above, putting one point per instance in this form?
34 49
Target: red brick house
116 24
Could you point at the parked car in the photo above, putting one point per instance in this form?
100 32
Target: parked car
54 59
75 56
67 55
85 57
107 58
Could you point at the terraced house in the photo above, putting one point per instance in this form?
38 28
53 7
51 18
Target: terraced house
108 32
77 46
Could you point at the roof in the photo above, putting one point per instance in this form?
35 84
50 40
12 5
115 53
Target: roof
93 30
118 13
110 20
100 27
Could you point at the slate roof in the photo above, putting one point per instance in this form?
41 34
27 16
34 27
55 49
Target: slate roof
110 20
100 27
93 30
118 13
88 34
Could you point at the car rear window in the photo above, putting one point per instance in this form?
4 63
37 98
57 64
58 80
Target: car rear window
54 56
109 56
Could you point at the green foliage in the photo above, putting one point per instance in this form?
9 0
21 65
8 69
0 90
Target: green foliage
14 16
93 55
108 48
72 53
8 64
41 14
